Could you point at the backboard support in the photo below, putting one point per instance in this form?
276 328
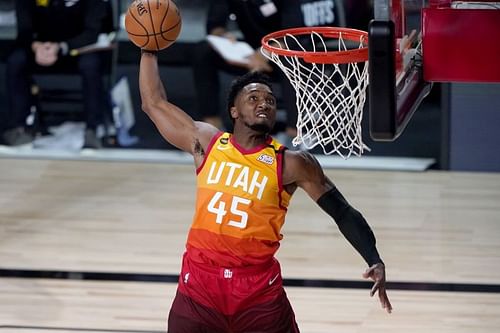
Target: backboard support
413 43
396 86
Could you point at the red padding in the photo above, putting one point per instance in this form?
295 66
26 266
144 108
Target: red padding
461 45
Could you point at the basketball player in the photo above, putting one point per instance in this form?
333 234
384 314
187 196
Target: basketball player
230 280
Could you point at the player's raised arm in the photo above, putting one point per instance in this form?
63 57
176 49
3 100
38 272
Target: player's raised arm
301 169
142 22
176 126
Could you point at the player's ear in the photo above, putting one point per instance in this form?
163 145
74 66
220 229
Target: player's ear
234 112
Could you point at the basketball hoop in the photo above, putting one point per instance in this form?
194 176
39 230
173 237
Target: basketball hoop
328 68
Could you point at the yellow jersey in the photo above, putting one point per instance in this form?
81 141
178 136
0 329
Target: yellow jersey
240 204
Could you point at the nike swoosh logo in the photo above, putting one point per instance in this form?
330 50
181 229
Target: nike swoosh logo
273 279
223 147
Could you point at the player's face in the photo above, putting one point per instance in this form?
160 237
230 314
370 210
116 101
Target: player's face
255 107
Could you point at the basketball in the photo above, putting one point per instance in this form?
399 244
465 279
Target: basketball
153 25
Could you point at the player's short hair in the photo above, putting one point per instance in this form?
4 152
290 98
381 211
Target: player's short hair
240 82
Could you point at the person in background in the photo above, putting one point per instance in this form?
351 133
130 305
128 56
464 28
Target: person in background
47 30
254 23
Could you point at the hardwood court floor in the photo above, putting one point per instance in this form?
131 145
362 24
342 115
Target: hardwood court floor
76 216
128 306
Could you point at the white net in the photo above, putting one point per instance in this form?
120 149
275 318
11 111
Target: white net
329 97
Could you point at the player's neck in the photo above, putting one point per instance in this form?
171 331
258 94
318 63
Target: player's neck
250 140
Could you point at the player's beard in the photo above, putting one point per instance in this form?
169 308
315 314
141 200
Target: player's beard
260 128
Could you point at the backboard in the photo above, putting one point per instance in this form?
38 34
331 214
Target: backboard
396 86
415 42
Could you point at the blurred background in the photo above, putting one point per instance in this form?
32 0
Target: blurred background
455 127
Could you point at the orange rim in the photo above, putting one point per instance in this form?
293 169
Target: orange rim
329 57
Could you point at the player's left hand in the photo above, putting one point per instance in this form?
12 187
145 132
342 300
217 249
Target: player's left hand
377 274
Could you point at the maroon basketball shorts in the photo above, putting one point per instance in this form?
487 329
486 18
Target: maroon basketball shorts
237 300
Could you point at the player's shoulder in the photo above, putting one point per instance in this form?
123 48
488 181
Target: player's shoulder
299 158
297 163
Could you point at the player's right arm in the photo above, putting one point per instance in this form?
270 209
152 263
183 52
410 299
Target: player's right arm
301 169
176 126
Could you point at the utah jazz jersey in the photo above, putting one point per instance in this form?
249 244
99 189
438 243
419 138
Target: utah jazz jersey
240 204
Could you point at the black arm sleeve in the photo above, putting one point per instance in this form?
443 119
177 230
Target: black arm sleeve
351 224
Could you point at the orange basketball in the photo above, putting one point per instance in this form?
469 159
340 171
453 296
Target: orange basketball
153 25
